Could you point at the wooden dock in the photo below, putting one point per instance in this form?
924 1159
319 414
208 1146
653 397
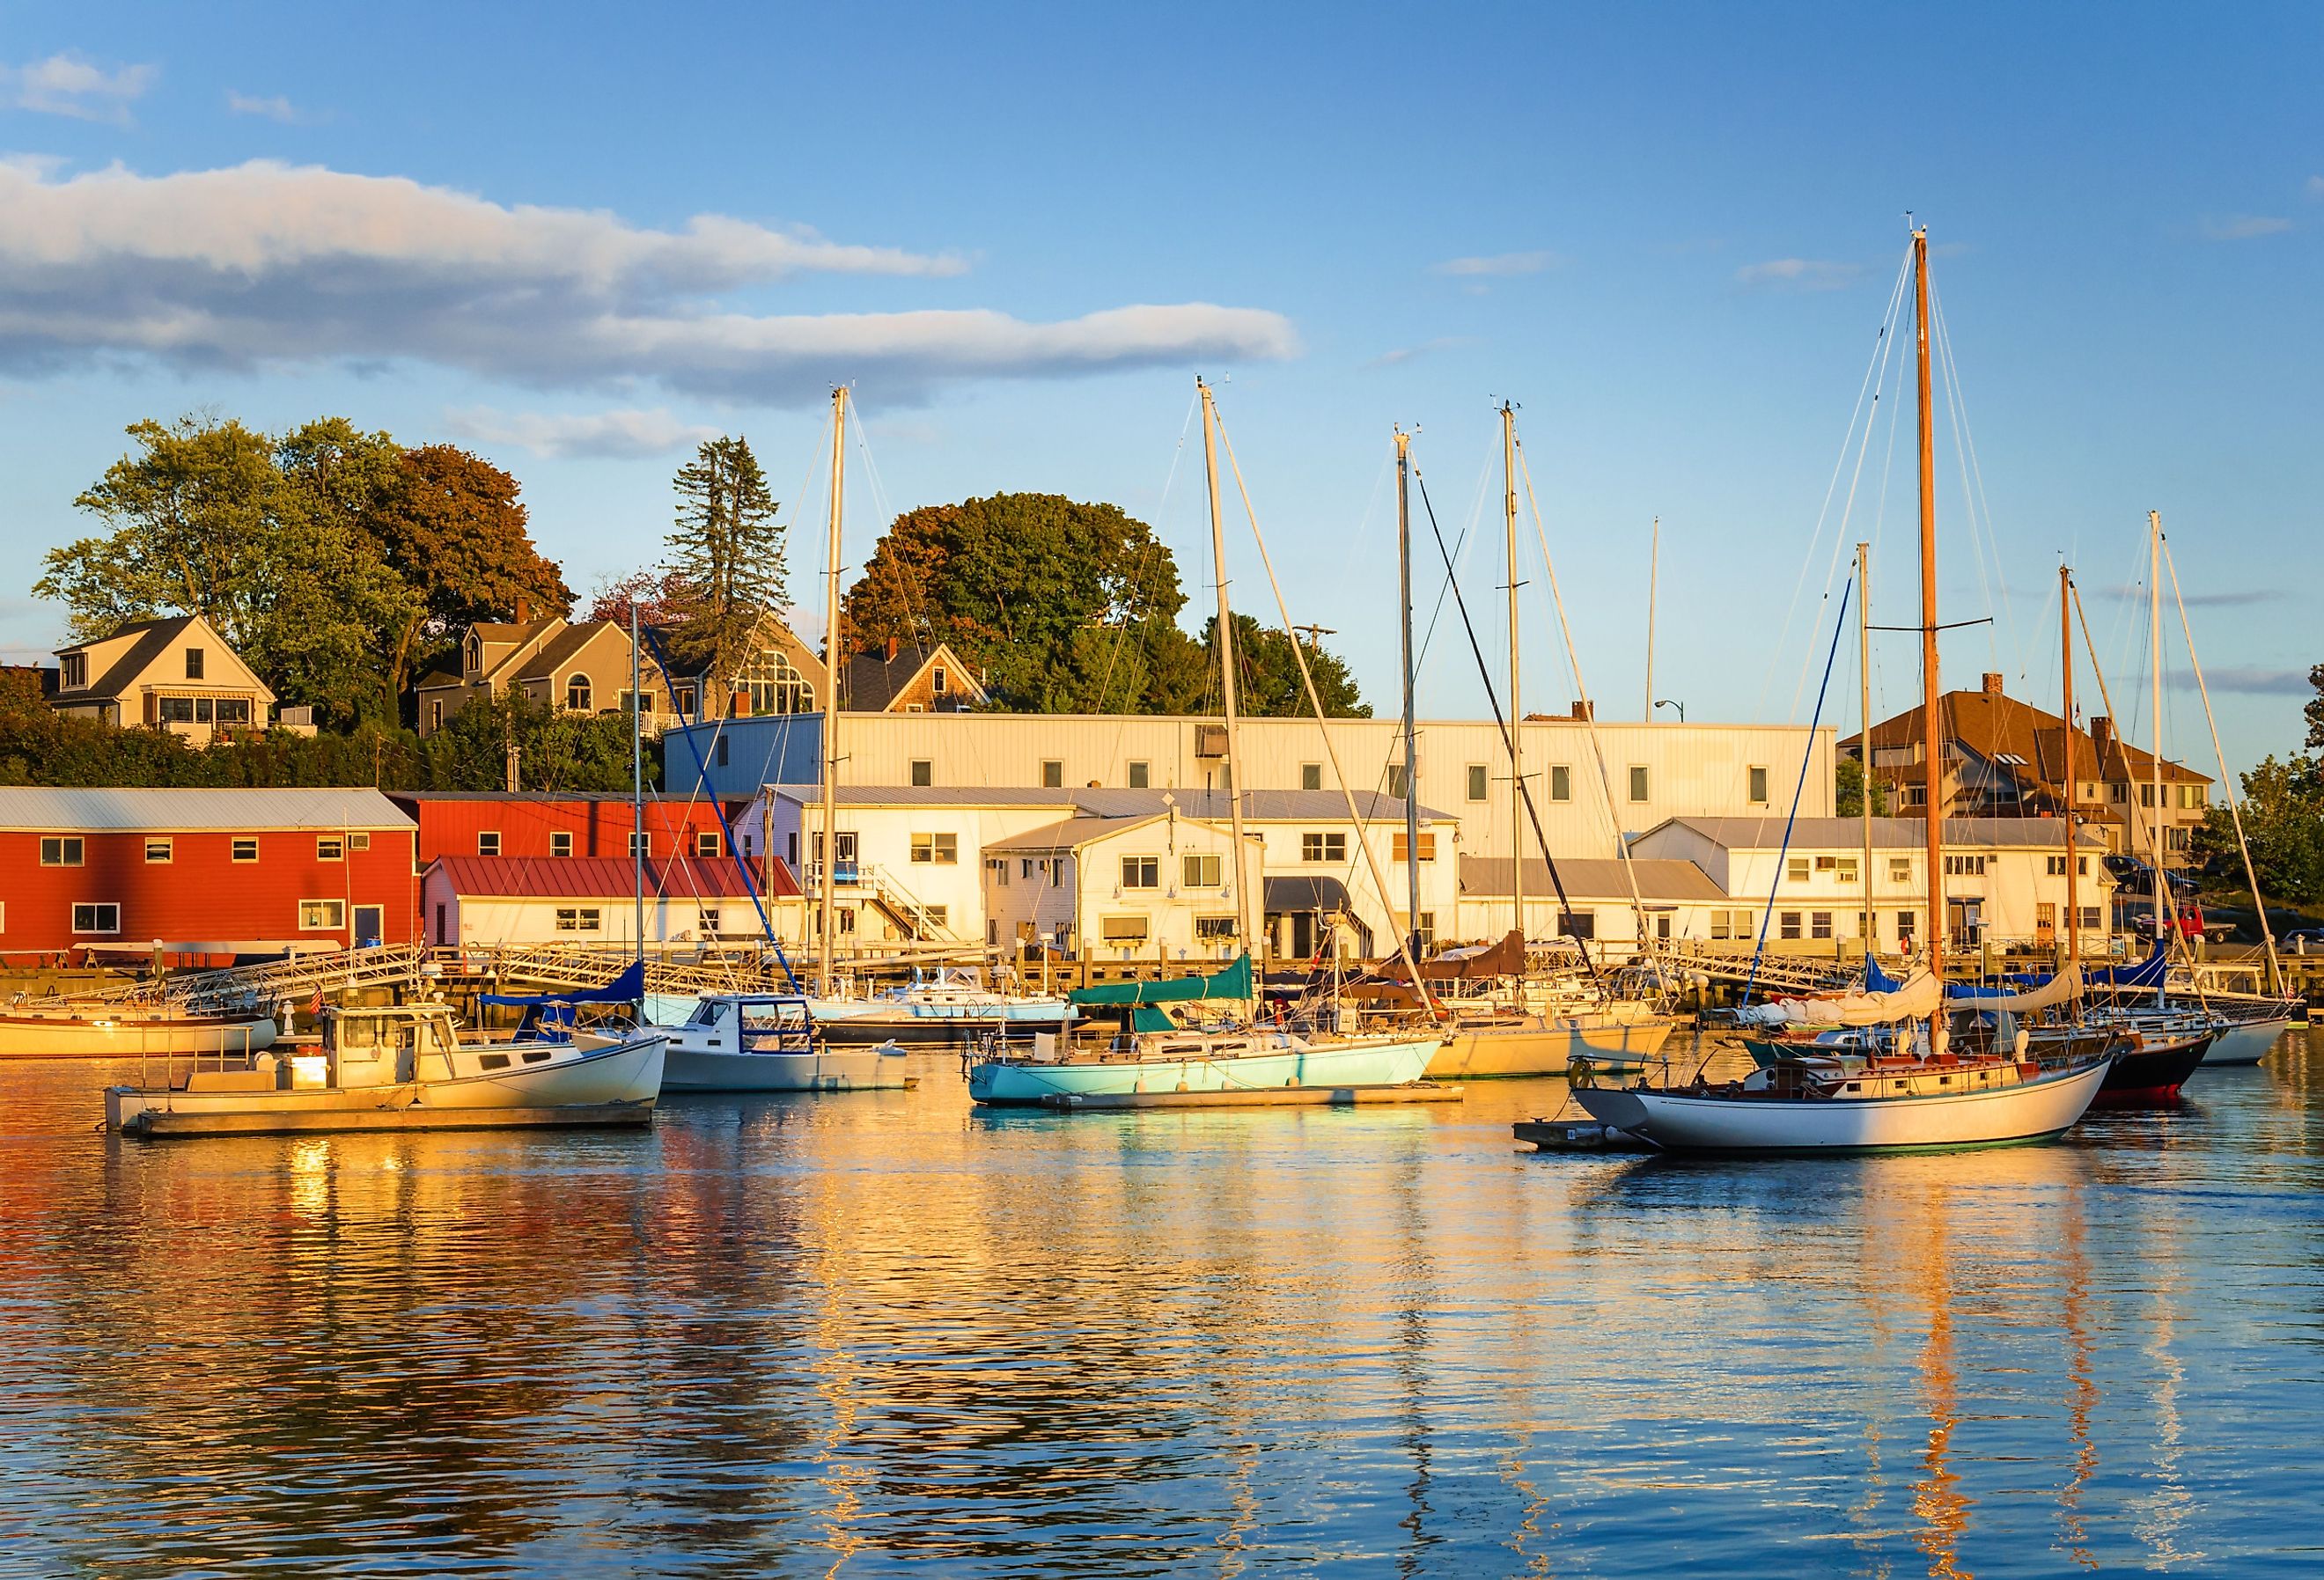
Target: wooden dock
160 1125
1577 1135
1254 1098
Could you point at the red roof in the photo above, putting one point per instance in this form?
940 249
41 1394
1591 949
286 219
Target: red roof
606 877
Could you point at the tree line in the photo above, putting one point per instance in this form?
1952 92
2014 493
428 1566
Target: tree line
2282 819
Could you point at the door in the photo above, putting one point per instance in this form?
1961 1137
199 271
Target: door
2045 923
371 925
1302 934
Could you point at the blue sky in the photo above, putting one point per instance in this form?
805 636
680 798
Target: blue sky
574 237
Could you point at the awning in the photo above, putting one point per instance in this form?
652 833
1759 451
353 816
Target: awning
1304 893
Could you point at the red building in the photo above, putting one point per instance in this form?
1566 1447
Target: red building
202 873
492 823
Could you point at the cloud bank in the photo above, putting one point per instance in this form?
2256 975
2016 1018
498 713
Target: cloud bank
266 263
1496 265
66 85
1799 274
2244 227
273 107
627 435
2247 681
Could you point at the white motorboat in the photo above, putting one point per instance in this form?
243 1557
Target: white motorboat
99 1030
2247 1043
404 1067
770 1042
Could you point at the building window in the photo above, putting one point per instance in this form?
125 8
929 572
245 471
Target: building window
245 850
1796 869
435 714
105 917
924 771
640 842
1787 924
1427 846
1479 781
560 843
1964 867
1124 932
1201 871
1323 848
775 684
681 700
1141 871
1731 924
73 672
1917 795
576 694
705 842
1827 863
2094 918
935 849
936 916
488 841
1142 776
998 867
233 710
1819 924
318 916
936 681
1057 873
580 918
1561 782
1906 921
158 852
1900 869
1311 776
2054 865
1396 783
1052 773
709 928
330 847
1758 786
1577 924
1214 929
1637 781
193 663
843 920
65 851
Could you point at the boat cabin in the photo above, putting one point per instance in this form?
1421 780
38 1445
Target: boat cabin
750 1023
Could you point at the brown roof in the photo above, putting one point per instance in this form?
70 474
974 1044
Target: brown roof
564 646
153 639
1993 726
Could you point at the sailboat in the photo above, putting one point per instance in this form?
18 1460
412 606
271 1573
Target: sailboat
1232 1059
1930 1093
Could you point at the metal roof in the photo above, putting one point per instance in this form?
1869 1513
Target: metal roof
519 877
1887 833
1069 835
75 810
1592 877
1262 806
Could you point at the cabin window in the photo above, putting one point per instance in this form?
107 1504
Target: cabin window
245 850
580 918
193 663
1480 781
576 694
488 841
1638 785
1561 782
560 841
1311 776
1796 869
1819 924
73 673
1052 773
1323 848
924 771
1788 924
1213 930
1427 846
1124 931
705 842
1399 787
1759 777
159 853
935 849
1142 776
316 915
1141 871
101 917
1201 871
330 847
640 842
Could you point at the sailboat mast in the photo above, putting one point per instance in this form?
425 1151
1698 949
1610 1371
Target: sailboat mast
1864 721
1653 575
835 664
637 796
2154 666
1932 727
1411 749
2073 783
1226 665
1517 706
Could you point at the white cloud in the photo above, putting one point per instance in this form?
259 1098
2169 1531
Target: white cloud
2243 228
2316 186
67 85
273 107
1404 354
627 435
1498 264
2247 681
265 262
1799 274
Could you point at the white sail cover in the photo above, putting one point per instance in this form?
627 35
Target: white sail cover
1918 997
2065 986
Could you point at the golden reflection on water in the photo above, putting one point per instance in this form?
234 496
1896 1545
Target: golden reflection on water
840 1336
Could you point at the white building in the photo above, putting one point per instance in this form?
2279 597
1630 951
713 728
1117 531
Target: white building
2005 881
1675 897
592 900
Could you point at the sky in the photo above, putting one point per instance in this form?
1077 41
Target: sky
578 239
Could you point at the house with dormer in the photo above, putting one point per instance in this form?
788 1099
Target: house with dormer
177 675
567 666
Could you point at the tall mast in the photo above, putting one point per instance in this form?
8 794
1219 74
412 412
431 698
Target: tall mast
1653 575
1931 725
1516 707
1863 719
2073 783
2154 664
834 665
638 799
1226 665
1411 750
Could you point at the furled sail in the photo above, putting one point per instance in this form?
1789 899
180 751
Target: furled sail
2059 989
1919 996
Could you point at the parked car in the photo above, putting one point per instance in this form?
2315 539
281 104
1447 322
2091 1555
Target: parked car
2306 938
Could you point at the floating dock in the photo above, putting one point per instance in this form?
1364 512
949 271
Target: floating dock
1255 1098
161 1124
1577 1135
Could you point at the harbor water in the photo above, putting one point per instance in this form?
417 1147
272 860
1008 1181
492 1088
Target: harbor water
884 1333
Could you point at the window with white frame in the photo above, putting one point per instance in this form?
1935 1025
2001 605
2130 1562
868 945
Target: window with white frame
1141 776
560 841
576 694
1124 931
580 918
159 853
1141 871
640 842
1480 781
245 850
330 847
1639 782
1795 869
1213 930
1323 848
62 851
316 915
488 841
1900 869
1787 924
705 842
1561 782
1200 871
1819 924
96 917
941 850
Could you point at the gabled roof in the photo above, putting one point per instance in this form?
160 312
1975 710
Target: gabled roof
875 679
1070 834
1998 727
76 811
153 638
561 648
607 878
1663 878
518 636
1887 833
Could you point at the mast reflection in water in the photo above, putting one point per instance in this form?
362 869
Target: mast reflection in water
799 1335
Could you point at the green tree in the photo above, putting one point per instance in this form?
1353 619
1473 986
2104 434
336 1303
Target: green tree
1847 789
727 567
2283 823
1266 673
2314 711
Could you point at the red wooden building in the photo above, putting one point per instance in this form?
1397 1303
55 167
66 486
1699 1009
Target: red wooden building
202 874
492 823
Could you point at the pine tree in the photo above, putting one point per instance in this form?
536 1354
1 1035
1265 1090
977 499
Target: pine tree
726 562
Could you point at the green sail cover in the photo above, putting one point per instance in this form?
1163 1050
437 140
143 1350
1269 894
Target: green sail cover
1233 983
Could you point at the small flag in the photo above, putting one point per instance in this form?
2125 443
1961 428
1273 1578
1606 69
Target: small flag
315 1004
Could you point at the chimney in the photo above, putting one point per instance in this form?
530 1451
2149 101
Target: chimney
1585 710
2101 736
893 645
1992 684
523 608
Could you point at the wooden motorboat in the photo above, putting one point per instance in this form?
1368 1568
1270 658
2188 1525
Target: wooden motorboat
100 1030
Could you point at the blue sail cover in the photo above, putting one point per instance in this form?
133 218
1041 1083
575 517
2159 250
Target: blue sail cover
625 989
1877 980
2148 972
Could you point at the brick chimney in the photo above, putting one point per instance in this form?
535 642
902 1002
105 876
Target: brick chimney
523 608
893 645
1992 684
1585 710
2101 736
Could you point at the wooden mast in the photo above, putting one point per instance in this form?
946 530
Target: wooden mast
1411 748
1932 724
2073 783
1225 631
835 664
1864 718
2154 666
1516 708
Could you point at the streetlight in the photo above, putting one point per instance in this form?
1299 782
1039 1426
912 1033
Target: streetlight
1667 702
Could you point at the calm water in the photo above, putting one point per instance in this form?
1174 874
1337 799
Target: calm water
875 1333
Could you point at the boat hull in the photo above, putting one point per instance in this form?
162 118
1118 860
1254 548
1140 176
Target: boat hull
2154 1073
2246 1043
1029 1084
1547 1046
928 1031
1679 1121
829 1069
130 1035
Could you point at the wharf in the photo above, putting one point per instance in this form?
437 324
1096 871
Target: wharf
1577 1135
1257 1097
